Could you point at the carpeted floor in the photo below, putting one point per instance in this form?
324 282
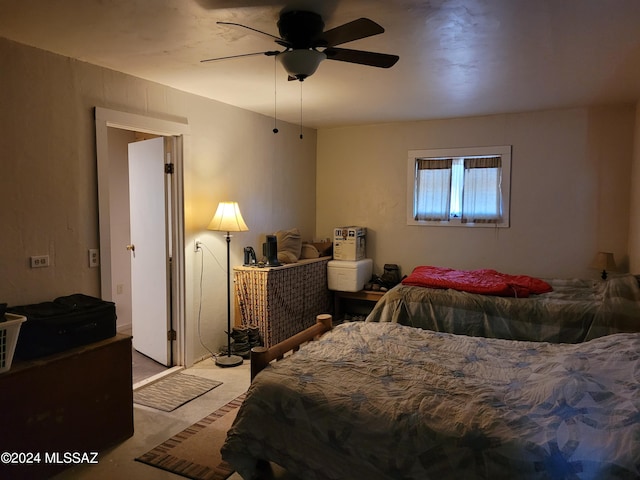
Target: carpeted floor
195 452
172 391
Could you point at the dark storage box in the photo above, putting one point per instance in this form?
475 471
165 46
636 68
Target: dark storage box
65 323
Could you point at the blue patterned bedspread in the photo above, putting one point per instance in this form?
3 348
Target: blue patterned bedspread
576 310
386 401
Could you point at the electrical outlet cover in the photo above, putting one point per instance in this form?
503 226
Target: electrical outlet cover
39 261
94 257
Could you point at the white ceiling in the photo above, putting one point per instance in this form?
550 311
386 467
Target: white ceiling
457 57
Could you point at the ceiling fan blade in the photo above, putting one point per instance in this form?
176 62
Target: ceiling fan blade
372 59
250 28
269 53
355 30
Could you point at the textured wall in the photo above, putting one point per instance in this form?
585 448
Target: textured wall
570 190
48 188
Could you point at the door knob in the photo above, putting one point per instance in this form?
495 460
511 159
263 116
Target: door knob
131 247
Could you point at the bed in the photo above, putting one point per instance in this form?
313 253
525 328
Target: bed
388 401
571 311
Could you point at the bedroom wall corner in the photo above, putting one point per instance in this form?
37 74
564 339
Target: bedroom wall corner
235 156
634 204
610 146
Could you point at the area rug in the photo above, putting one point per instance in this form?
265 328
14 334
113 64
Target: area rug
170 392
195 451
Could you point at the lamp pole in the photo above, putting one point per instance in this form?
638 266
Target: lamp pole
228 360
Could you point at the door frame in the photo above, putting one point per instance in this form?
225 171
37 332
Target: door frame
105 119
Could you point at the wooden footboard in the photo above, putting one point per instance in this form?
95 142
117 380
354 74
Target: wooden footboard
262 356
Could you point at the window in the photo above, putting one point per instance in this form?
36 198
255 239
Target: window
459 187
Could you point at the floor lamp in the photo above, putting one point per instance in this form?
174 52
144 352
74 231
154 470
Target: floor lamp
228 219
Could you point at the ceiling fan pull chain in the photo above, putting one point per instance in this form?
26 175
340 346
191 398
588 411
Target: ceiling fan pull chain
275 95
301 136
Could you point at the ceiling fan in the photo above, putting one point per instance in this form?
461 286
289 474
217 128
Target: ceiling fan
307 44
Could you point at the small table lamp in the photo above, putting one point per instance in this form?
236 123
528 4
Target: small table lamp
228 219
604 261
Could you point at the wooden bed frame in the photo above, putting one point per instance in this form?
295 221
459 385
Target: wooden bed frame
262 356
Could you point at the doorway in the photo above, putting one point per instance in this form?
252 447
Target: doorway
115 131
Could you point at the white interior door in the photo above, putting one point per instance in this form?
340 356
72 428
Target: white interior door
149 249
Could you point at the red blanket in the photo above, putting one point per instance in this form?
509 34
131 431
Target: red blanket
486 282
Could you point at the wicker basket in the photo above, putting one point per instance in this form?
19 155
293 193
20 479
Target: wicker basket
9 331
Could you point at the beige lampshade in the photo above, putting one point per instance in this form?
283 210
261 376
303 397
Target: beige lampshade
604 261
228 218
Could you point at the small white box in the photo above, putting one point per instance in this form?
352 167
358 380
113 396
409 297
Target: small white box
349 276
348 243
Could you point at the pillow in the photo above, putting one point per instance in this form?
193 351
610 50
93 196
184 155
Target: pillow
325 249
289 245
309 251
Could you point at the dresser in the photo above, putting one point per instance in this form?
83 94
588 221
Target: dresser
282 301
79 400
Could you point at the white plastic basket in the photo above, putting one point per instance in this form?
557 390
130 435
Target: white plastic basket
9 331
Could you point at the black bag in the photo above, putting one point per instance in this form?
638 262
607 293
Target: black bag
391 276
65 323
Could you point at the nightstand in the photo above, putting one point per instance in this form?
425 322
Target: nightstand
354 303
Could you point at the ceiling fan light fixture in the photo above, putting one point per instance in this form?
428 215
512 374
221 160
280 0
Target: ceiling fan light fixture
301 63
